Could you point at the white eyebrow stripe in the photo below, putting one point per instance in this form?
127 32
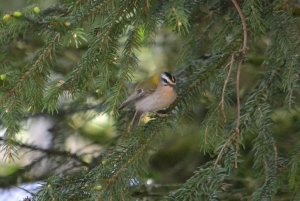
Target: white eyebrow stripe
167 78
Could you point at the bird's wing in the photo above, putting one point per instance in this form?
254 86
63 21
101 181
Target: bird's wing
138 94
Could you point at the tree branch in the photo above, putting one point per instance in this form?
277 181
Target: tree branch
52 152
241 58
243 20
230 64
45 53
224 149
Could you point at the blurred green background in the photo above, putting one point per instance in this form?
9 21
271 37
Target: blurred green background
180 152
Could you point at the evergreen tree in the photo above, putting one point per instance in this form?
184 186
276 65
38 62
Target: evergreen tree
237 76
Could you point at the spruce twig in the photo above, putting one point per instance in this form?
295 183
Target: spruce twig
230 64
44 55
241 58
51 152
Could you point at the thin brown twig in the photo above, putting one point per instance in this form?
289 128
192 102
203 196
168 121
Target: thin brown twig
244 24
275 154
243 52
205 134
223 149
230 64
238 95
238 115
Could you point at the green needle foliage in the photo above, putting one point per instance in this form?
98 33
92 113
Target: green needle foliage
237 68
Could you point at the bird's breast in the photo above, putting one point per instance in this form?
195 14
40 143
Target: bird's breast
158 100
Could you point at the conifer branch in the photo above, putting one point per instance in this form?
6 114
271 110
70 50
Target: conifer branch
93 10
13 101
115 102
44 55
138 152
223 150
203 185
99 44
51 152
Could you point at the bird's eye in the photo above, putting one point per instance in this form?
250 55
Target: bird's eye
165 81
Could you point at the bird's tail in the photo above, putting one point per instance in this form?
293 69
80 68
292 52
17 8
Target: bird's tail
135 120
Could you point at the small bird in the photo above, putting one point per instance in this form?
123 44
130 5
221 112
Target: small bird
152 100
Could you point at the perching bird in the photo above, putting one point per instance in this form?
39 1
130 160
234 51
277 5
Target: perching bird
152 100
